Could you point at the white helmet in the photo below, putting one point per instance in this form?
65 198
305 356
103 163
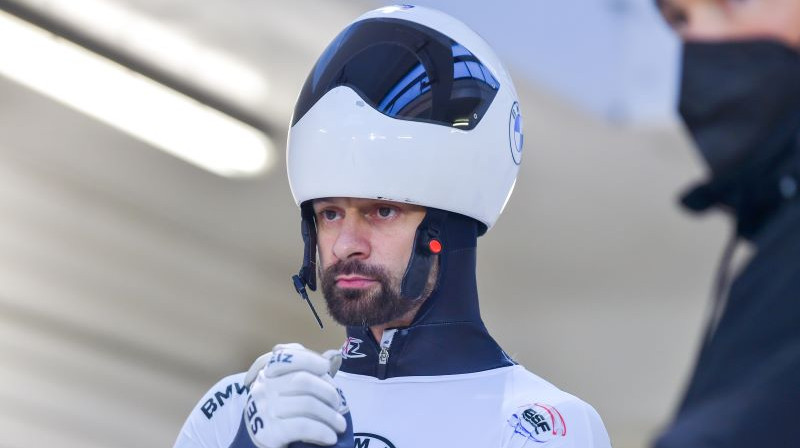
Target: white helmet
408 104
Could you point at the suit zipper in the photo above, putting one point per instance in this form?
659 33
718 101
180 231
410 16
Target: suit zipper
383 355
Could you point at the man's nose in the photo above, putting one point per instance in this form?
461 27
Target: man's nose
352 240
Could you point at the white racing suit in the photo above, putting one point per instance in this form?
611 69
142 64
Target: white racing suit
500 407
441 382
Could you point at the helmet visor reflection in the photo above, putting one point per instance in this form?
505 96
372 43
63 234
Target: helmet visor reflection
405 71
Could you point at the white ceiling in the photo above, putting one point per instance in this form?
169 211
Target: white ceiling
131 281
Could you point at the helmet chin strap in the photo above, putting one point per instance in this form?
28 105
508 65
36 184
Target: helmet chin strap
308 272
308 228
427 245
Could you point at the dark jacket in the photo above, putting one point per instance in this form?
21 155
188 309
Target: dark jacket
745 389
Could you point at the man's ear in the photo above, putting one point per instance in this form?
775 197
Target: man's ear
427 246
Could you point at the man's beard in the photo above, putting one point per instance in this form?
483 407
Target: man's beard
376 305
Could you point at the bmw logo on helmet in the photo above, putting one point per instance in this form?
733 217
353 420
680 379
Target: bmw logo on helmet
515 135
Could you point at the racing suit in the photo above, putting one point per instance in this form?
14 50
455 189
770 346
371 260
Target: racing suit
442 381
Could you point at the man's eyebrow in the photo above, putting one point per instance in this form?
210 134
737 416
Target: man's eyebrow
320 203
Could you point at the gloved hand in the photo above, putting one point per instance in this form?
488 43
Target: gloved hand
293 399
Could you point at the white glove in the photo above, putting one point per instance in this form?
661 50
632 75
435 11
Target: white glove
293 398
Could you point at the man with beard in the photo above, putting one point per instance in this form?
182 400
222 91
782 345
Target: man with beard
404 147
740 100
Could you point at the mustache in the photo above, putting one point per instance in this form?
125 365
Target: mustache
355 267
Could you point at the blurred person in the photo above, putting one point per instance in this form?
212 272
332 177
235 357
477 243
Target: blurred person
404 148
740 100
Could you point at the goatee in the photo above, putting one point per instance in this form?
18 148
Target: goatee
375 305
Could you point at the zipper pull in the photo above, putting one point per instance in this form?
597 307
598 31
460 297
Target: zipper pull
383 356
386 342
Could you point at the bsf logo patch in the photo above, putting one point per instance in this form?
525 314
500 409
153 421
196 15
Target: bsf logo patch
538 422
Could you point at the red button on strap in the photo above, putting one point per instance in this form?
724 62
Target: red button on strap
435 246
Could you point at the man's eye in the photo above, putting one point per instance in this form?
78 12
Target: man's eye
675 18
329 215
386 212
678 21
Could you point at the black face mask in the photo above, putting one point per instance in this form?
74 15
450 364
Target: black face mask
741 102
736 95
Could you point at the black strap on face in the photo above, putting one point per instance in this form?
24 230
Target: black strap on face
308 228
427 244
308 272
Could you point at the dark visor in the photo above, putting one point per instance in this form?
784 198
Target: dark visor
403 70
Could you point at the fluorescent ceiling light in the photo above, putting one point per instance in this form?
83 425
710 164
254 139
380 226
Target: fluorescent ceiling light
160 45
130 102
